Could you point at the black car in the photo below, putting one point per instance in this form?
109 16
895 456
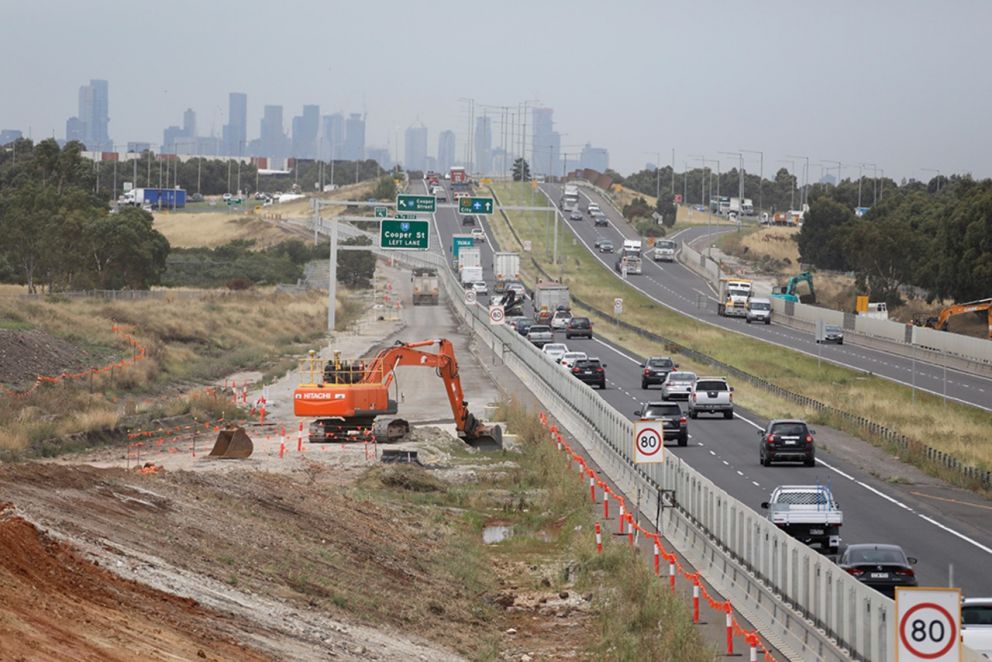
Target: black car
883 567
590 371
674 426
575 215
523 326
600 219
468 220
787 440
832 334
655 369
606 246
578 327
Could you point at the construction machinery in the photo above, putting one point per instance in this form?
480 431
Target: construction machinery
425 287
351 395
232 443
982 305
788 291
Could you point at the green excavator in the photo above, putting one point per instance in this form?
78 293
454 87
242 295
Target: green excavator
788 292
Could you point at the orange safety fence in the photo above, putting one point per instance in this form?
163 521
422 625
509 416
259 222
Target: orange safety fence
138 354
676 569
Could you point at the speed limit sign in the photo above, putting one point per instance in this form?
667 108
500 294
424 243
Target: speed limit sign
648 442
470 297
497 315
928 624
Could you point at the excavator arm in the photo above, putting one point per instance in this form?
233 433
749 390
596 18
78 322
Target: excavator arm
961 308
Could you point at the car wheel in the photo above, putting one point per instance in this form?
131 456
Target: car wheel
840 342
747 319
768 321
683 441
762 460
811 461
693 414
728 414
603 386
644 386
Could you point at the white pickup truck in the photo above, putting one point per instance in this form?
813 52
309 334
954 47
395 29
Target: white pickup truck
808 513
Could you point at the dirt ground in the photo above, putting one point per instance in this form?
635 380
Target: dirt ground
290 554
25 354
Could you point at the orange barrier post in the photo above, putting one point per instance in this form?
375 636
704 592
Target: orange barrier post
630 529
599 539
606 503
657 558
592 487
299 439
244 394
695 599
620 518
262 419
282 448
752 642
671 572
730 628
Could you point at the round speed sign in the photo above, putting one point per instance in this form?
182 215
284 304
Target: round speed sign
648 442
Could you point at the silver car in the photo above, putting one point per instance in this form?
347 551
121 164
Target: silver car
540 334
678 384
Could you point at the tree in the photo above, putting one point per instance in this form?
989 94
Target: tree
822 238
125 250
385 189
521 171
666 207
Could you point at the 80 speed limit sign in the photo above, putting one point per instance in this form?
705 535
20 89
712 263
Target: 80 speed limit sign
649 442
928 624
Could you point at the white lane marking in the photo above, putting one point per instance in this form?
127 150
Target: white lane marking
617 351
755 483
740 473
725 462
711 452
956 534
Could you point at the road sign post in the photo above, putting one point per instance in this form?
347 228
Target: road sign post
475 205
402 235
470 297
928 624
497 316
649 447
426 204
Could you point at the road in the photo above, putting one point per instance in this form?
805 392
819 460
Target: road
678 288
937 524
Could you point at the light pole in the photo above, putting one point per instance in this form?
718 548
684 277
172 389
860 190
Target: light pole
939 178
761 173
838 164
792 191
802 197
657 174
740 175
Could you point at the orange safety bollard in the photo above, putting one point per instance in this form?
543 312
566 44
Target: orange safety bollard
620 518
299 439
730 627
599 539
282 448
695 599
630 529
262 419
606 503
592 487
671 572
657 558
752 642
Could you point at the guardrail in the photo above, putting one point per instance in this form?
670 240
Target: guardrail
808 607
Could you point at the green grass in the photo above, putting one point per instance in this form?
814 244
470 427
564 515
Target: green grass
957 429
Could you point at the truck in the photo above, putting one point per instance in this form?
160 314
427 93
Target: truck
808 513
425 287
156 198
469 257
570 198
629 264
734 293
664 250
549 297
741 206
457 175
459 241
631 247
506 267
470 274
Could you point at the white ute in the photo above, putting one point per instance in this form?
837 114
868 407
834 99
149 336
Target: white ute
808 513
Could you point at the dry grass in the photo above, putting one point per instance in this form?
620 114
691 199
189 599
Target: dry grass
686 215
957 429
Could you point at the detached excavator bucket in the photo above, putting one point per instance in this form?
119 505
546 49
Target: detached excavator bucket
485 438
232 443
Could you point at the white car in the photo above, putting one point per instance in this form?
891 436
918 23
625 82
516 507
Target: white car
569 358
976 625
478 234
556 350
678 384
479 287
560 320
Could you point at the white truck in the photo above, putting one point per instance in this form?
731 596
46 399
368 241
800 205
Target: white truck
733 297
570 198
629 264
506 267
741 206
469 257
549 297
664 250
470 275
808 513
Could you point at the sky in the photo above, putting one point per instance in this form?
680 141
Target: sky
901 84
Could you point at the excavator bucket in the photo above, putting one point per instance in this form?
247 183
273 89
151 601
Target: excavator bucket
485 438
232 443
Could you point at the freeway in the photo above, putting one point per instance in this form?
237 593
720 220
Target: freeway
937 524
675 286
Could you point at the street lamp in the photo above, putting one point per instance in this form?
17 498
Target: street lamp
740 175
761 173
934 170
805 190
657 173
792 191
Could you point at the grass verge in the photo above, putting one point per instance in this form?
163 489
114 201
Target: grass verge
957 429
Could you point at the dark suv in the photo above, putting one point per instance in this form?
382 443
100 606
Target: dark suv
656 369
590 371
578 327
674 424
787 440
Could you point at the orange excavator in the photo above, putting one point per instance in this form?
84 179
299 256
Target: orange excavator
352 394
940 322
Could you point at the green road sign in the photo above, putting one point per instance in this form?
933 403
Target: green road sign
475 205
416 203
381 212
407 217
401 235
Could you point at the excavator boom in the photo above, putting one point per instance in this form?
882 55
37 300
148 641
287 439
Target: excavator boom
961 308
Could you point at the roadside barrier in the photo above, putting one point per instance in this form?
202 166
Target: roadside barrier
699 591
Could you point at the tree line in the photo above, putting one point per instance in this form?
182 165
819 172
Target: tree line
936 236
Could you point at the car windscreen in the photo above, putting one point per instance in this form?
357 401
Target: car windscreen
711 385
789 429
760 306
876 555
657 411
830 328
665 244
660 363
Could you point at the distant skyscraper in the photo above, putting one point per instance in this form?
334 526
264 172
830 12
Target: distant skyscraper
415 150
170 137
332 136
189 123
596 158
94 116
272 137
235 132
305 128
483 145
546 152
75 130
354 138
445 150
8 136
380 155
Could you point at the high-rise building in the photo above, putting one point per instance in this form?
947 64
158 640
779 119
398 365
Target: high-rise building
354 138
305 129
272 139
380 155
332 136
75 130
189 123
8 136
94 116
170 138
596 158
235 132
445 150
483 145
415 150
546 152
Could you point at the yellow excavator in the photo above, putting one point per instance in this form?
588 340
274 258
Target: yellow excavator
982 305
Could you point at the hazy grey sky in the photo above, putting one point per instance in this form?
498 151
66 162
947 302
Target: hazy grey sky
905 84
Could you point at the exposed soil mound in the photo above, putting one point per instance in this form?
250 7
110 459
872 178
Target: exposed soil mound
26 354
58 605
